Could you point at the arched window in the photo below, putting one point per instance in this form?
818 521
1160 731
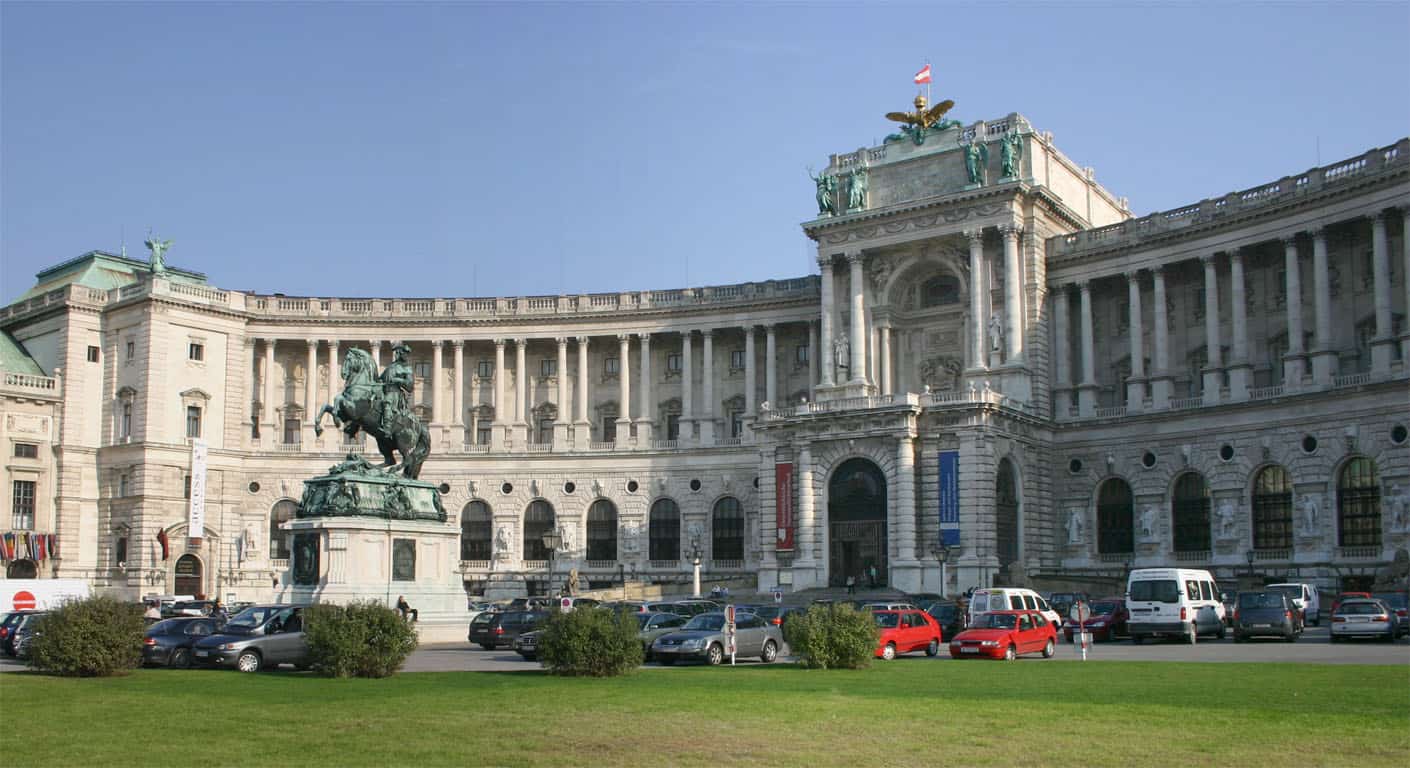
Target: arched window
1114 517
283 512
665 531
1189 508
1272 509
939 291
475 531
727 530
1006 513
1358 504
602 530
538 520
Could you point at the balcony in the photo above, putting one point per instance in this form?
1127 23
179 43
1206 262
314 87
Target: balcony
1359 553
1272 555
1193 556
31 386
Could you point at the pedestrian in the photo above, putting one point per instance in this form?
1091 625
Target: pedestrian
153 613
218 611
405 609
851 585
871 575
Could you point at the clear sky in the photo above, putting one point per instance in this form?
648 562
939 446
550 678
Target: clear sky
458 149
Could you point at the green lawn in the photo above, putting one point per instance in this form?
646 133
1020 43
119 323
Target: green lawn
909 712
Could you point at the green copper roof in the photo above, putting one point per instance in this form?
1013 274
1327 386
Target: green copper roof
104 271
14 359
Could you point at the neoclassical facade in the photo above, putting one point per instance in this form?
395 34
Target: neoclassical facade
994 355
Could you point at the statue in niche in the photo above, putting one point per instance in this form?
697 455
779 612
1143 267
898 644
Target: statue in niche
941 374
1148 523
1011 152
842 353
501 542
1225 514
827 192
1311 512
996 332
1397 507
857 189
1074 526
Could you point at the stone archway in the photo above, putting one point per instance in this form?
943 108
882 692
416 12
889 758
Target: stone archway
190 574
23 568
856 519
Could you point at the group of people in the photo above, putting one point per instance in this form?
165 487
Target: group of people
872 576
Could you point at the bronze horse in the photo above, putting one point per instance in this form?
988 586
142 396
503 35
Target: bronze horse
359 408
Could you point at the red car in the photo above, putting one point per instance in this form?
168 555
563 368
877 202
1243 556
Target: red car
1006 635
906 630
1107 621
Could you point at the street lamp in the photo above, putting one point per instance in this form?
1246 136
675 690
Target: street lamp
695 562
552 540
941 552
1249 556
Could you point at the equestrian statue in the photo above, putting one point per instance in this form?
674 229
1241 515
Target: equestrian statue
378 405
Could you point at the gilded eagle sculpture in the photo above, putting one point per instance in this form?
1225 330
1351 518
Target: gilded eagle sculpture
920 122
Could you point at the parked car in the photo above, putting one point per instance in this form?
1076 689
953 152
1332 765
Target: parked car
1062 602
1364 617
1305 600
1107 621
1173 602
14 622
1270 613
653 625
527 644
881 605
1348 596
1006 635
691 607
25 635
539 603
982 601
923 600
1400 603
259 637
775 614
949 615
193 608
169 642
703 638
495 630
904 631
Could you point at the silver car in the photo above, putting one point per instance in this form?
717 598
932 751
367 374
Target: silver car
1363 618
259 637
703 639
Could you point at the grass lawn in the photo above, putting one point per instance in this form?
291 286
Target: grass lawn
909 712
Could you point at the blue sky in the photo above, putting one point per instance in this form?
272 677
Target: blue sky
457 149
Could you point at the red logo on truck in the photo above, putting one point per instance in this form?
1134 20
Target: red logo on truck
23 600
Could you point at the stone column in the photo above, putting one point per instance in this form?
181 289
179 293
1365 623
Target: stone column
500 427
1240 368
1087 388
1383 344
1062 354
1324 356
825 321
707 387
886 360
267 412
1013 294
582 428
375 348
335 371
751 382
812 361
905 506
521 391
771 366
438 410
647 419
1213 369
1161 381
624 390
457 397
806 533
1295 361
687 431
859 320
565 407
978 322
310 393
1136 385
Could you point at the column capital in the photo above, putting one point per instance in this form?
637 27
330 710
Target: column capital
769 328
645 337
312 342
582 341
1208 259
1382 216
975 236
1085 286
1132 276
499 344
1158 272
457 343
824 262
1236 255
707 333
1318 233
1010 230
624 337
521 342
856 258
562 340
1289 240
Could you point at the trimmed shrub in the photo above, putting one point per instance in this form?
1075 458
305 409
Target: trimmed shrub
92 637
589 642
832 637
362 639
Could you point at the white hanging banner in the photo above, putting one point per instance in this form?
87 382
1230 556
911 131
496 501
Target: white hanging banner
196 520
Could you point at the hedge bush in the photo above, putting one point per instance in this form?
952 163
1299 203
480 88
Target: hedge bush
590 642
92 637
362 639
832 637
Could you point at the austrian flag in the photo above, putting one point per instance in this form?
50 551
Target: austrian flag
923 76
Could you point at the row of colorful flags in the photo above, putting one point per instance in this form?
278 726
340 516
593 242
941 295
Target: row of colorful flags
23 545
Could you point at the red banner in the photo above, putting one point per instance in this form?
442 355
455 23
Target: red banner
783 506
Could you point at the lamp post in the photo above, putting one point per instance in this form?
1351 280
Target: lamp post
552 540
941 552
1249 555
695 563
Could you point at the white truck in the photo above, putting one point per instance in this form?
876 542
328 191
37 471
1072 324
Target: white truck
39 594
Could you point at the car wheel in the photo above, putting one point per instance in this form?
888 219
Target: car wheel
715 655
1049 650
933 649
1291 638
248 661
770 652
180 658
1010 653
889 652
1220 636
1335 639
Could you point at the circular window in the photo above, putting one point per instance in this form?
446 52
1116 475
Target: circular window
1074 466
254 487
1148 459
694 485
569 487
1309 444
1226 452
506 489
1398 434
444 487
632 486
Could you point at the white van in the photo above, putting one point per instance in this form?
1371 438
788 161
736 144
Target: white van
1304 597
1173 602
39 594
982 601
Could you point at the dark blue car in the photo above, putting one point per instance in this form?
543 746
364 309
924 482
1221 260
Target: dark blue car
168 642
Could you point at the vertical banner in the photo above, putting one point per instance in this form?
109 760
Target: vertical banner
950 498
196 519
783 506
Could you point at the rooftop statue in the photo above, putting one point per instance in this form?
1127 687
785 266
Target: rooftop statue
1011 152
827 192
976 158
158 247
919 123
857 190
377 404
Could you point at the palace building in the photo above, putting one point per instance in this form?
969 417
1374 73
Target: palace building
997 366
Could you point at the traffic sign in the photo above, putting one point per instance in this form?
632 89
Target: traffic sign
565 604
24 600
729 613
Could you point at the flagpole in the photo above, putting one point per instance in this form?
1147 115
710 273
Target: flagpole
927 84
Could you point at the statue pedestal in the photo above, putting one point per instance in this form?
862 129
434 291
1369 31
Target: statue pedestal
845 390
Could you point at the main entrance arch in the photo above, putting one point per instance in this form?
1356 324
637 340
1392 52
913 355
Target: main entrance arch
856 519
188 575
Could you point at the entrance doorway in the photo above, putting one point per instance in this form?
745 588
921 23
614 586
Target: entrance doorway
188 575
856 517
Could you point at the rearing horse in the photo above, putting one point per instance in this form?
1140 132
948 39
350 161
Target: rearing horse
358 408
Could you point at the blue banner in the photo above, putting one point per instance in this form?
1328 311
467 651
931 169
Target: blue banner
950 498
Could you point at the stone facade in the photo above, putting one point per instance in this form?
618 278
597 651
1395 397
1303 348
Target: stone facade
1027 322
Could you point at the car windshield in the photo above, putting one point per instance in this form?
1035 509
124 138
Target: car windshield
1156 591
711 622
1103 609
484 618
1293 591
1251 600
1000 621
887 620
942 611
252 617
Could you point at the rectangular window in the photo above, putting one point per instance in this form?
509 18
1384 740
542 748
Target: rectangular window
196 351
131 350
673 362
92 354
484 369
124 484
548 367
736 423
609 429
22 511
422 370
673 426
610 366
193 421
126 427
482 435
26 451
736 359
545 431
800 354
292 432
186 483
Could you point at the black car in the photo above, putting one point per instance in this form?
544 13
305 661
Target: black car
527 645
168 642
948 615
11 627
693 607
500 629
1266 614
